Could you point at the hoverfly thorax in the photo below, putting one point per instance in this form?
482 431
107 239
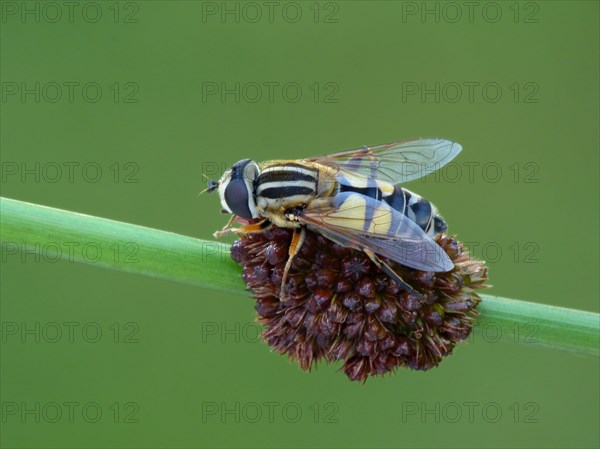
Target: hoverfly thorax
236 189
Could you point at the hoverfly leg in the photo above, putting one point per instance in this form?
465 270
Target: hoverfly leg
246 229
295 245
227 229
389 271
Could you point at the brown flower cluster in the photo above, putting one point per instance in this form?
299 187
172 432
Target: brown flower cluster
340 306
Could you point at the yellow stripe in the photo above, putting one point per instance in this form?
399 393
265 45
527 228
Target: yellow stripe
382 220
362 182
386 189
351 214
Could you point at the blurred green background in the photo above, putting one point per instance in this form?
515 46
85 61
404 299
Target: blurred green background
140 98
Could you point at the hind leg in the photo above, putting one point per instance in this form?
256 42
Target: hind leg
389 271
295 245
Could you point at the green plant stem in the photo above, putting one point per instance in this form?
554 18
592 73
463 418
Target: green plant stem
32 231
27 229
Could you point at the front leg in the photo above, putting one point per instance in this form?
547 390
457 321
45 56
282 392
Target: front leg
245 229
225 229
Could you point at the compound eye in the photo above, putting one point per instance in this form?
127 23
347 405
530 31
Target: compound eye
237 198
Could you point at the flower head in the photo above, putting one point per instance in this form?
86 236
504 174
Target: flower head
341 306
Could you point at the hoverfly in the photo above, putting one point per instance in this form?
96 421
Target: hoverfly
352 198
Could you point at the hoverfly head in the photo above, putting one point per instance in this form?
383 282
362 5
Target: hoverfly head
236 189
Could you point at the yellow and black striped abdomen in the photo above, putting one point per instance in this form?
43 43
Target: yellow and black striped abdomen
413 206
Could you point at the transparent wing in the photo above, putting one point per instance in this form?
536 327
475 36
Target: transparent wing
359 221
396 162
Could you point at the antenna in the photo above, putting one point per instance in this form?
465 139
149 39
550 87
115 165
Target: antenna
212 185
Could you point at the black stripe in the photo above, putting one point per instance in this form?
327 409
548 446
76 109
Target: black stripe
439 225
283 192
372 186
371 192
397 199
283 176
423 212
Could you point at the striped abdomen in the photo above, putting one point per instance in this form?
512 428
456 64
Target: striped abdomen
415 207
